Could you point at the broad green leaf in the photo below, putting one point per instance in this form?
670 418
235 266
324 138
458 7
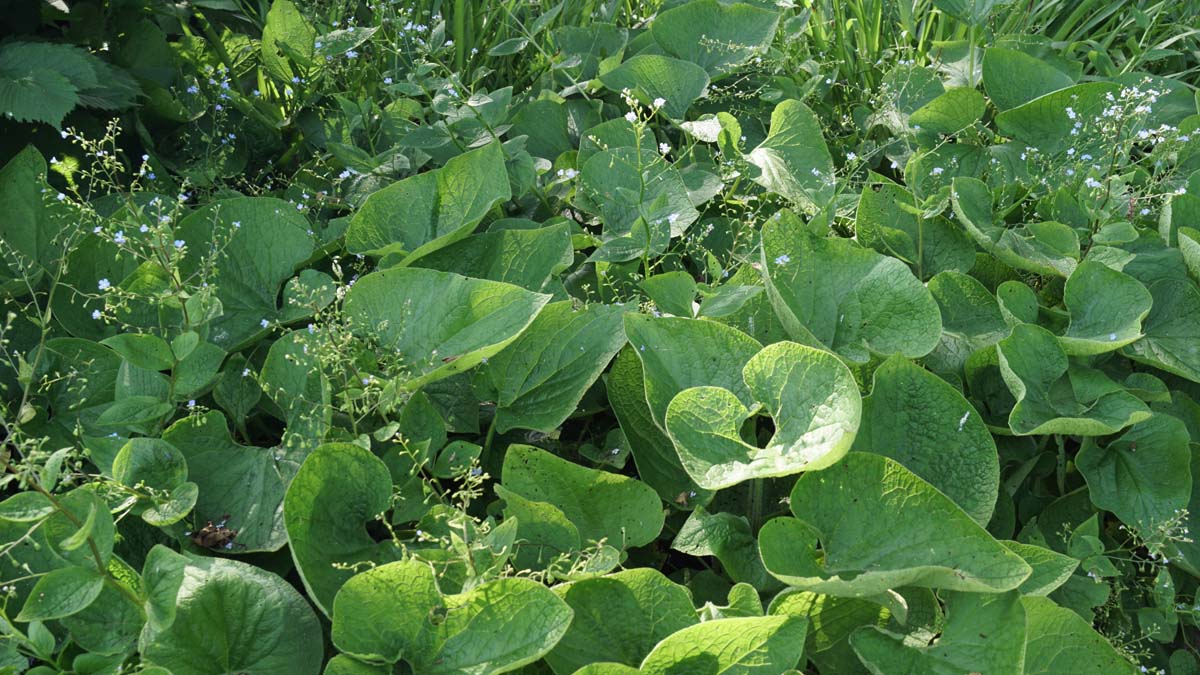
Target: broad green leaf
294 379
1143 475
811 397
605 505
438 323
30 230
543 374
1189 246
917 419
983 633
244 482
152 462
142 350
110 624
657 462
261 243
174 507
831 292
955 110
680 353
339 488
197 371
431 210
1051 569
132 412
650 77
25 507
1056 398
544 531
162 575
1106 307
525 258
793 161
1172 330
62 592
888 221
1046 123
971 320
1013 78
287 40
232 617
672 292
67 538
871 517
619 618
715 35
730 539
972 11
395 612
1044 248
764 645
1060 641
831 622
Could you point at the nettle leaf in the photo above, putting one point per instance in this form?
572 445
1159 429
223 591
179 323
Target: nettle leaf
619 618
234 617
431 210
602 505
679 353
1172 330
917 419
831 292
739 646
260 243
717 36
793 161
1106 307
525 258
1013 78
888 221
649 77
246 483
870 516
438 323
971 320
653 452
544 373
811 396
1055 397
395 612
1143 475
1059 640
984 632
1044 248
339 488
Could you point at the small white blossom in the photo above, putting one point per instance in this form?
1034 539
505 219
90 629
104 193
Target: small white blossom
104 285
631 116
659 102
96 314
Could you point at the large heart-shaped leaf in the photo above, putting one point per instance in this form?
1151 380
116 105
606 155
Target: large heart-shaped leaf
811 396
763 645
1172 330
715 35
1060 641
1045 248
650 77
793 161
1106 307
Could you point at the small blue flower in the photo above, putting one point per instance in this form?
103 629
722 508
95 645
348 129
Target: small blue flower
104 284
264 323
783 259
179 243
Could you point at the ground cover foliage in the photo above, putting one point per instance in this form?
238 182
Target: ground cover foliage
599 337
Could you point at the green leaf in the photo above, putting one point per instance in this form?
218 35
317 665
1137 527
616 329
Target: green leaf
730 539
764 645
431 210
162 575
544 530
66 535
1172 330
811 396
1142 476
1051 569
602 505
831 620
1055 398
650 77
152 462
172 509
26 507
338 489
793 161
1013 78
144 351
1044 248
679 354
62 592
34 89
198 370
251 621
983 633
917 419
619 618
245 482
831 292
133 411
1060 641
715 35
1044 122
525 258
29 229
541 377
461 321
871 517
972 11
287 41
672 292
1106 307
888 221
396 611
971 320
955 110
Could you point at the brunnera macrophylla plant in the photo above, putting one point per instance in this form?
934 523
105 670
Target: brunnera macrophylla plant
378 339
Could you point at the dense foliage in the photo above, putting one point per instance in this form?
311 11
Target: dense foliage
599 337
